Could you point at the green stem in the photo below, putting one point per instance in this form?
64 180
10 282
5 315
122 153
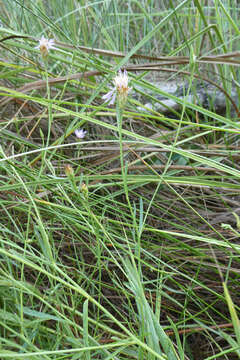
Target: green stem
119 110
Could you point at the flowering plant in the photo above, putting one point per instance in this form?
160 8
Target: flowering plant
45 45
121 88
80 133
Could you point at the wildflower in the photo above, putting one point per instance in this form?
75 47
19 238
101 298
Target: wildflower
69 170
121 88
84 190
45 45
80 134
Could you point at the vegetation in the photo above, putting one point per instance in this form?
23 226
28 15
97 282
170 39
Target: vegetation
123 243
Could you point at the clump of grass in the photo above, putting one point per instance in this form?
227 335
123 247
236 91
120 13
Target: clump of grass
119 226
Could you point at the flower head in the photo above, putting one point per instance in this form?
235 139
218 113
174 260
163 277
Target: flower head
80 134
69 170
121 88
45 45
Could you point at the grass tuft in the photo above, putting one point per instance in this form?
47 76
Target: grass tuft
120 242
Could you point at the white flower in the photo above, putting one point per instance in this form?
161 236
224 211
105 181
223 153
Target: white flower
80 134
111 95
45 45
121 88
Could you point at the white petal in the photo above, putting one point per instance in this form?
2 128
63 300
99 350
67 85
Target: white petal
109 95
113 99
